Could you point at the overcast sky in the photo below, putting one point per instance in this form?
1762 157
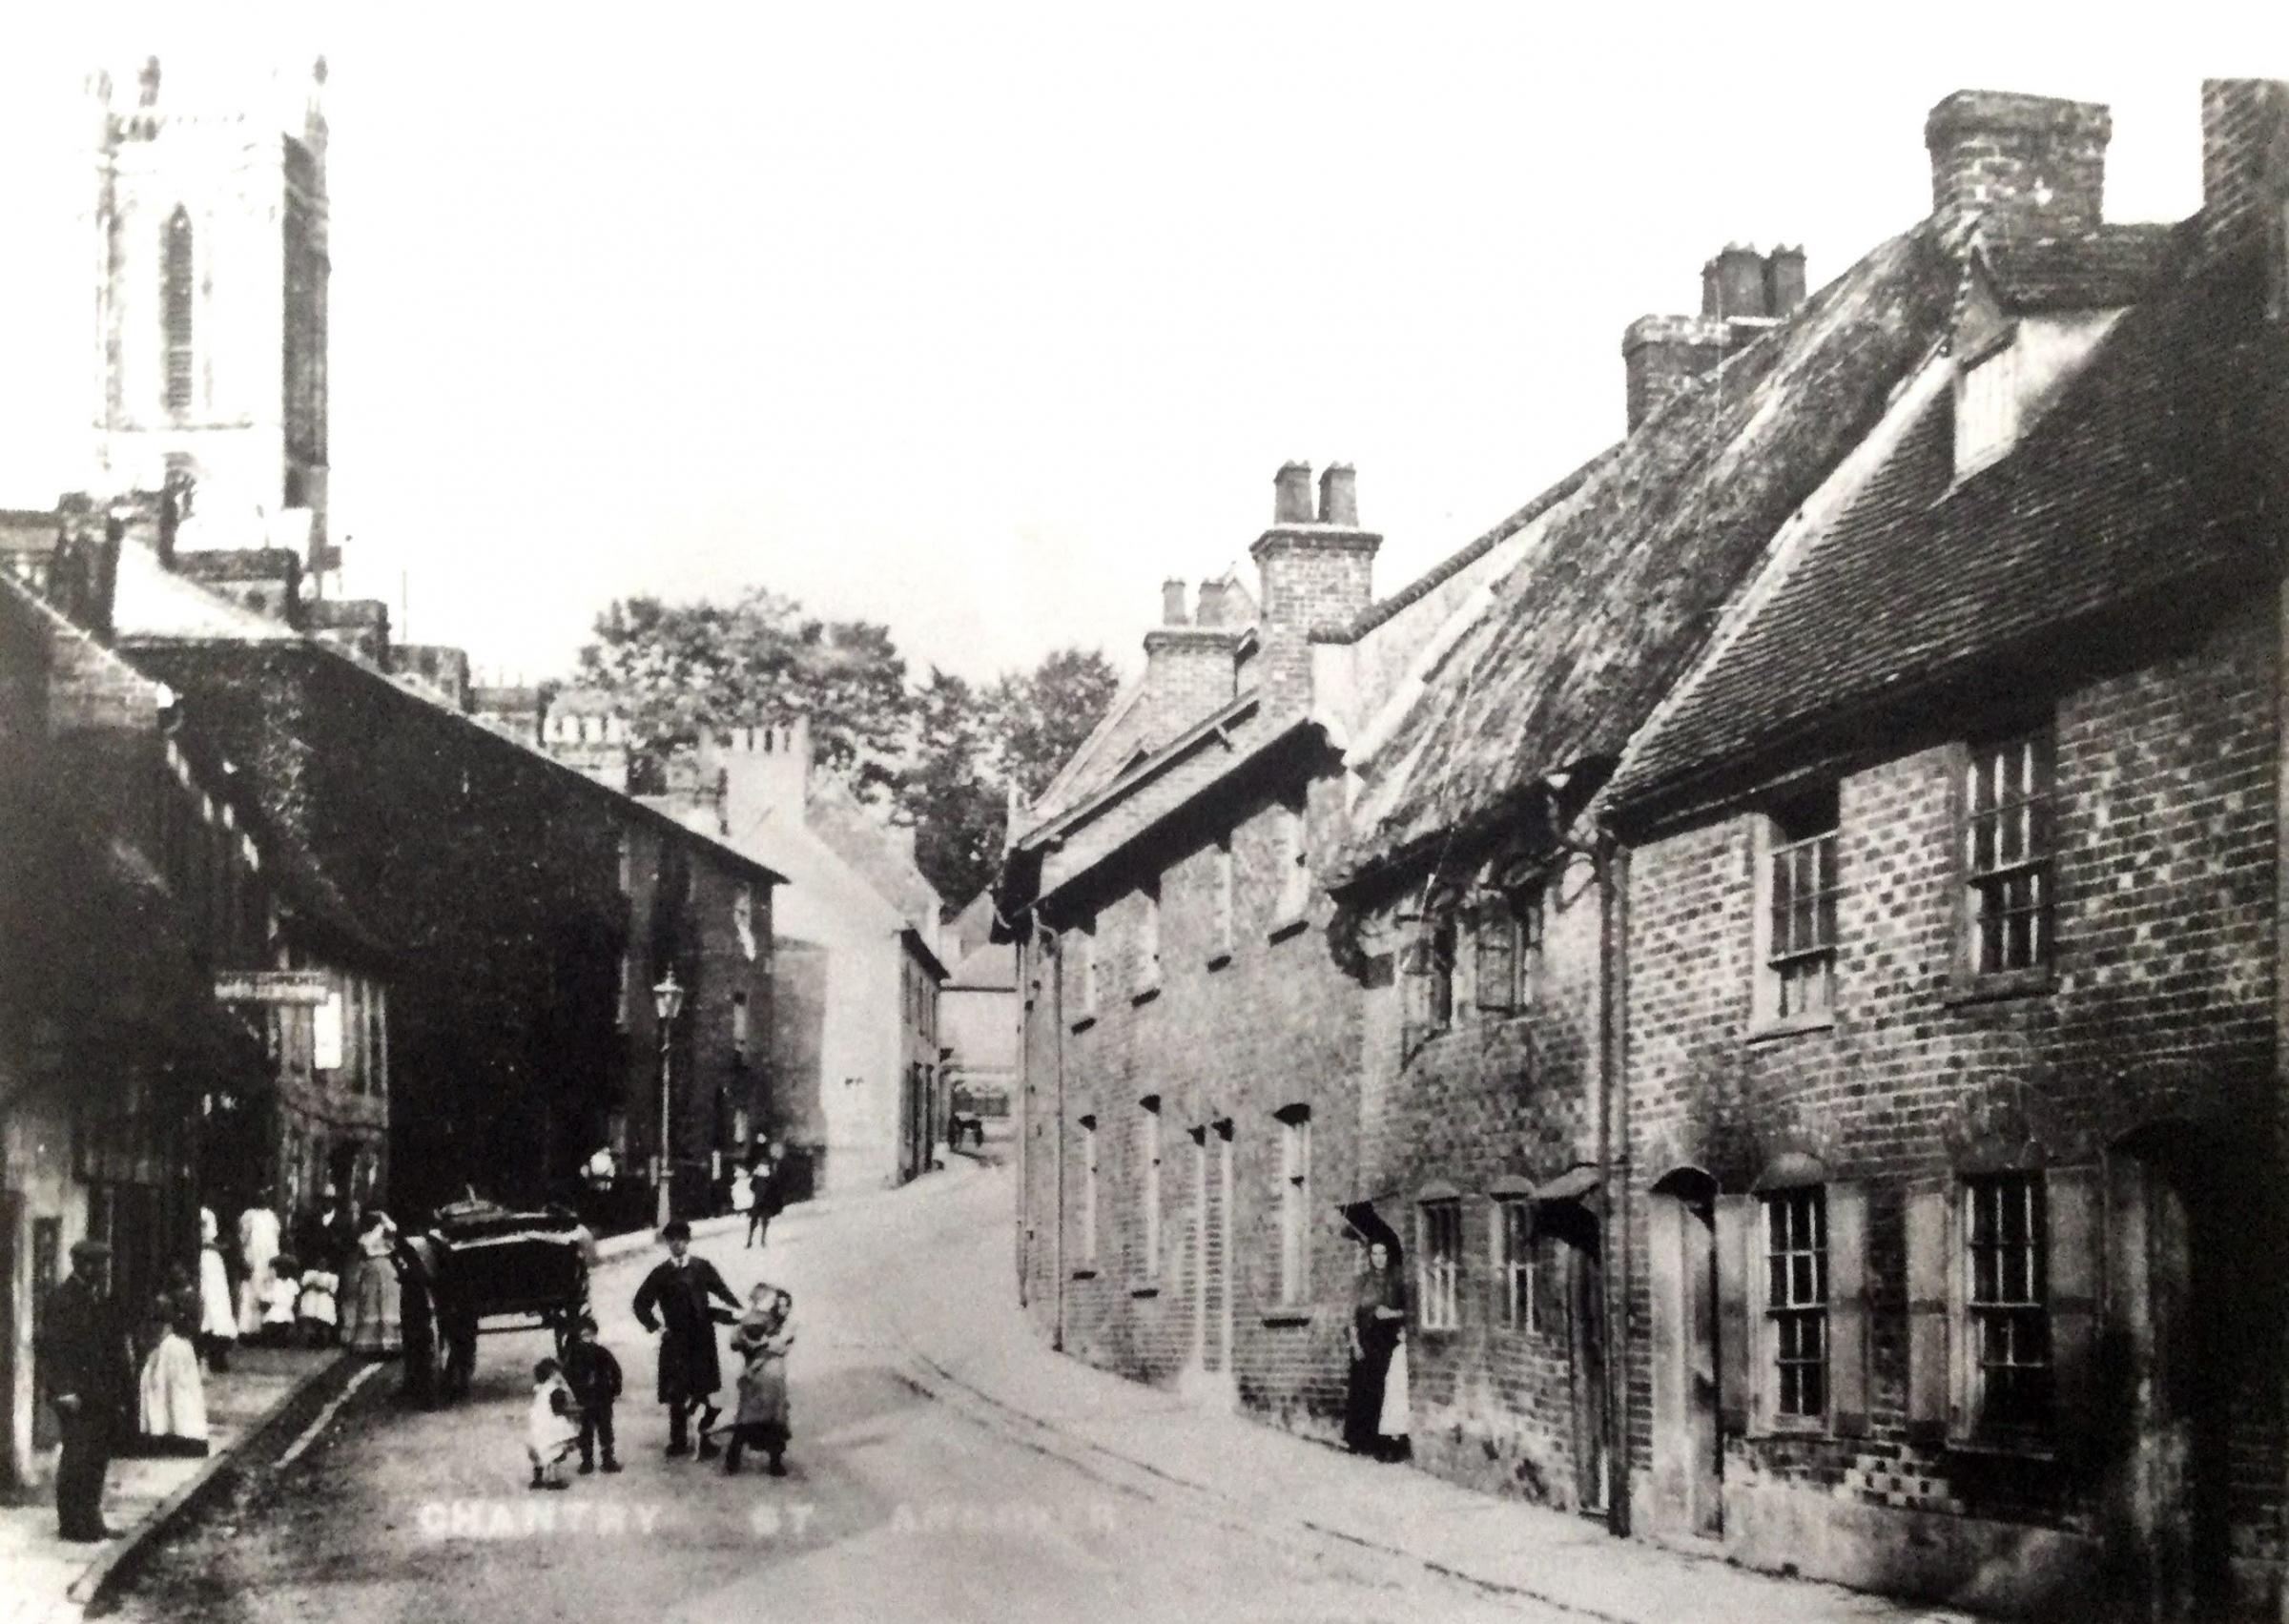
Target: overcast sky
983 319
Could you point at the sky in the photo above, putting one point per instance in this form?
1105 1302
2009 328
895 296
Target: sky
981 320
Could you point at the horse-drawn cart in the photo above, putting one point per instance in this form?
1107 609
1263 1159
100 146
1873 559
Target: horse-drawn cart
493 1269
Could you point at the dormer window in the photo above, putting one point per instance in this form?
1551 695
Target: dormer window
1987 406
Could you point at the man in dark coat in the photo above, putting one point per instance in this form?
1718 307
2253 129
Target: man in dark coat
673 1301
86 1366
766 1194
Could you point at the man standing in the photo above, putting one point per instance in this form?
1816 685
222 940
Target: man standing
89 1376
764 1199
673 1301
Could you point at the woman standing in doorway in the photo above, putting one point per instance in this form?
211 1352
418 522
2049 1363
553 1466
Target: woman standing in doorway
1378 1322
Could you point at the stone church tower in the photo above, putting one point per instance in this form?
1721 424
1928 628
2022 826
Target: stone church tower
209 224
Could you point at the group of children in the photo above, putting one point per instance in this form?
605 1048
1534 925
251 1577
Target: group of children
298 1306
572 1398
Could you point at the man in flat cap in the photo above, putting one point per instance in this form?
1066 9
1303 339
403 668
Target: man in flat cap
89 1377
673 1301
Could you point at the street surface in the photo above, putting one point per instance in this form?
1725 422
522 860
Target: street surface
896 1506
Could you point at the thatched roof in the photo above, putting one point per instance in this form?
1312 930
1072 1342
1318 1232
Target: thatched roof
1621 590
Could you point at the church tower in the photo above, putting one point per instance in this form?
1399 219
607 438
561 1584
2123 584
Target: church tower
209 226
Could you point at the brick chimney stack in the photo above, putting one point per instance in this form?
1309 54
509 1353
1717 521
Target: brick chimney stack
1743 294
1313 572
2245 174
2022 166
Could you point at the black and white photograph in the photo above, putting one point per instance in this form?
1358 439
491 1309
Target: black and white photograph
1304 814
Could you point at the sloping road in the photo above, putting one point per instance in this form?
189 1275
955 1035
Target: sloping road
896 1506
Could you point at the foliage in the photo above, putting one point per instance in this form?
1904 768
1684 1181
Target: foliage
682 670
1045 713
942 753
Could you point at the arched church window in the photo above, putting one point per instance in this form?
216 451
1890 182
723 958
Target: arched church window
178 296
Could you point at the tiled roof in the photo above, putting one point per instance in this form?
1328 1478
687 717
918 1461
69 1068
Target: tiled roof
2143 474
1619 591
2112 266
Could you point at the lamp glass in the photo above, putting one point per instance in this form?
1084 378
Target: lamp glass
667 998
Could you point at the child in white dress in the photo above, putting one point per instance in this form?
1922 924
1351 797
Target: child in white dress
551 1426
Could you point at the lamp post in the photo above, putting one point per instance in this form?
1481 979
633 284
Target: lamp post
667 1002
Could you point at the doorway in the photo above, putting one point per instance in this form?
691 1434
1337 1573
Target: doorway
1571 1227
2171 1363
1688 1461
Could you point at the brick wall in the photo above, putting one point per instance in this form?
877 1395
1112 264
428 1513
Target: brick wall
1496 1094
2161 1006
1226 1038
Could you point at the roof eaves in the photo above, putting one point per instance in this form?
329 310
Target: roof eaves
1216 725
1264 749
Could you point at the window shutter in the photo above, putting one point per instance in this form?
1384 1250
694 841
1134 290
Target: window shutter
2073 1199
1415 983
1931 1285
1497 969
1847 1309
1738 1228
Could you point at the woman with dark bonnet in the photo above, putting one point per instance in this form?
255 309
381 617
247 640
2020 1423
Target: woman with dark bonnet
1378 1316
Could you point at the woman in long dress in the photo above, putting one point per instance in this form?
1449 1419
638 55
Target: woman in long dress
217 1320
373 1311
1378 1317
258 1244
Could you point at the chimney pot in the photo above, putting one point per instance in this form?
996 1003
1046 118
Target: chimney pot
1172 603
1784 280
1291 494
1738 285
1339 496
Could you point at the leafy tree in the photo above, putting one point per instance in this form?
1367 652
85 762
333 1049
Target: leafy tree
942 753
1043 715
957 805
682 670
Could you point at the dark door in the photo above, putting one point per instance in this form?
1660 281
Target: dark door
1571 1227
2167 1288
47 1269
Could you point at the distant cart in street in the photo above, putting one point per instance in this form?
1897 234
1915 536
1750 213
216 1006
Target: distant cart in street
504 1270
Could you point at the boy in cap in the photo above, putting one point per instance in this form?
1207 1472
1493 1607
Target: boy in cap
594 1376
90 1375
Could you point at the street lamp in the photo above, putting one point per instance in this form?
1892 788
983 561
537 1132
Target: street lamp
667 1002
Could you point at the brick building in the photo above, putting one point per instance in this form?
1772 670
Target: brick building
1954 1109
1188 1105
1691 1243
534 910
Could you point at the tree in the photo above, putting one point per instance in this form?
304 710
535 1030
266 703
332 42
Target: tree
1042 716
957 808
942 753
684 670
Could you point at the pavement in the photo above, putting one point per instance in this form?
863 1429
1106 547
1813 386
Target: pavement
49 1580
975 1348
